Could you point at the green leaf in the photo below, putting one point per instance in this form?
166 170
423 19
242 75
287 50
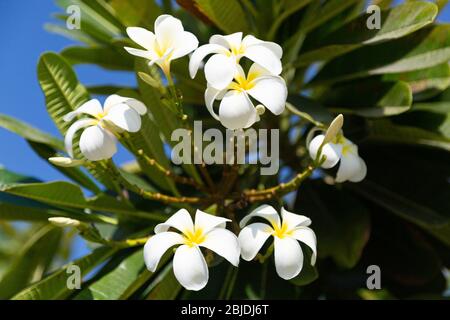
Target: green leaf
425 48
165 286
437 77
136 12
327 11
423 200
106 57
387 132
396 23
374 99
65 194
10 211
63 94
340 221
33 260
227 15
114 283
55 286
289 8
30 133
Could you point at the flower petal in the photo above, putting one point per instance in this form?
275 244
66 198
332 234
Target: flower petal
201 53
250 40
157 245
189 267
211 95
264 211
167 30
264 57
143 37
77 125
229 41
224 243
236 111
332 151
115 99
92 107
252 238
293 220
361 174
308 237
97 144
184 44
180 220
124 117
206 222
141 53
220 71
349 167
288 257
271 92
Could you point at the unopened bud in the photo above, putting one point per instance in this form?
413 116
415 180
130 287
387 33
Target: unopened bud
334 128
260 109
64 222
65 162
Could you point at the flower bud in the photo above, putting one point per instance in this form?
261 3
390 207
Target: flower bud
334 129
64 222
65 162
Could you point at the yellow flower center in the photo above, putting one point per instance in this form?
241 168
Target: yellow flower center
194 238
237 50
241 83
281 232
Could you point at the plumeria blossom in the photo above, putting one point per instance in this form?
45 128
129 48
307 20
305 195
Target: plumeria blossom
286 233
98 141
189 265
169 42
236 110
340 150
221 68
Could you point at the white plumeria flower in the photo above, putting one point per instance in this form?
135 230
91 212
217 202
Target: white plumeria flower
98 142
236 110
189 265
220 69
169 42
286 233
352 167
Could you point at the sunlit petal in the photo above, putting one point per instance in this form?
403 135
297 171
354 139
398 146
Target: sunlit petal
189 267
332 151
220 71
293 220
97 144
224 243
271 92
157 245
252 238
200 54
264 211
181 221
124 117
288 257
77 125
308 237
206 222
236 111
92 107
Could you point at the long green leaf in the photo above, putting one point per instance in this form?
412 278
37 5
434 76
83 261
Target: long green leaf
375 98
396 23
31 263
425 48
112 285
227 15
106 57
55 286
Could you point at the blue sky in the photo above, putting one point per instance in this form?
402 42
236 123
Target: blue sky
23 40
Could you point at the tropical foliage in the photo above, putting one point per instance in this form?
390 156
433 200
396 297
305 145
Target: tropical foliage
392 85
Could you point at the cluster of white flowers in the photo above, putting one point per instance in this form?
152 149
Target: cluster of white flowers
208 231
229 83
